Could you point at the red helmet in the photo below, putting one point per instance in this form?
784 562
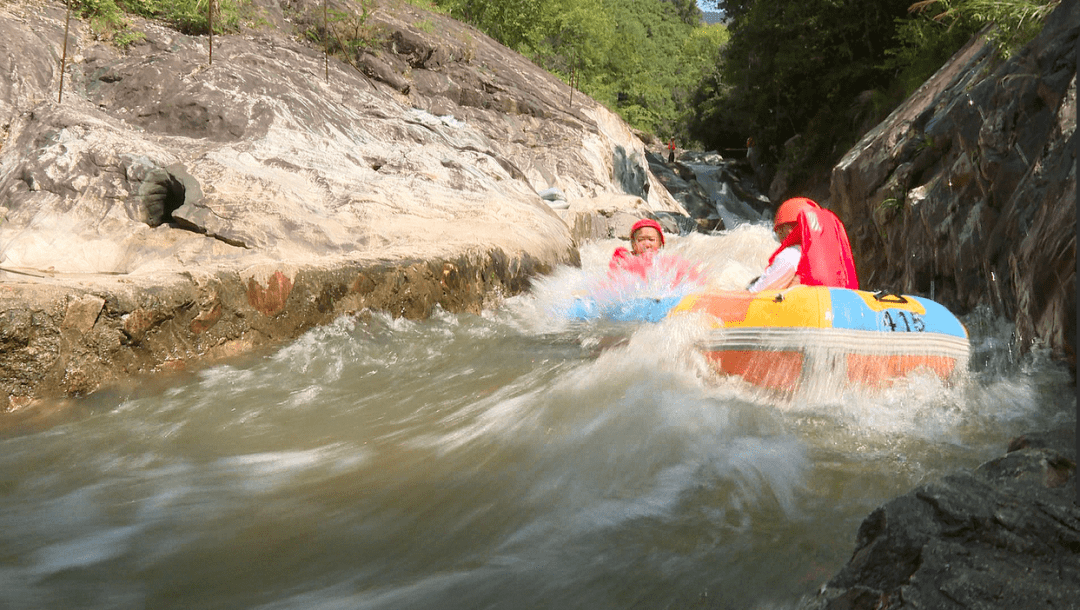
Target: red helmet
788 212
647 222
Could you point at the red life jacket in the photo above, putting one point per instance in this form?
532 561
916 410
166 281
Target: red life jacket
826 254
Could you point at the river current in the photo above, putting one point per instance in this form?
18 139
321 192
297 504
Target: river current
512 459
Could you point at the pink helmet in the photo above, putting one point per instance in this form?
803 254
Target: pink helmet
647 222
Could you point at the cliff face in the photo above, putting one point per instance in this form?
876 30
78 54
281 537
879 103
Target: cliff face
1006 535
968 190
170 209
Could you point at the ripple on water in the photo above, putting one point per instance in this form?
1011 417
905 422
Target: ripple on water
467 460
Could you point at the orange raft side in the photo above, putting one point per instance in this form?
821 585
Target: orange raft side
781 340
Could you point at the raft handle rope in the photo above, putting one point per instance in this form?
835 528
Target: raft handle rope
889 297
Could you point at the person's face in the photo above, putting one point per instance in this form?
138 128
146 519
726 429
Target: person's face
784 230
645 239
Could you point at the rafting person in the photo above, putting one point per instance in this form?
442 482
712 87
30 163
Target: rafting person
814 250
646 240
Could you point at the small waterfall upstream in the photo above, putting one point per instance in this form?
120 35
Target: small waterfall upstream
512 459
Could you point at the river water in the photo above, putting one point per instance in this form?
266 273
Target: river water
506 460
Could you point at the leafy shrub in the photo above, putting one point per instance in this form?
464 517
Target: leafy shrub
347 33
106 20
353 30
189 16
935 29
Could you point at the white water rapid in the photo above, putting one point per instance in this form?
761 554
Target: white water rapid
511 460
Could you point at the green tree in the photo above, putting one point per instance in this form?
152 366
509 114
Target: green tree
794 67
935 29
574 37
652 70
511 22
825 69
687 10
641 58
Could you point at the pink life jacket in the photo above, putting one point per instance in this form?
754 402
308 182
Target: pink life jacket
640 264
626 260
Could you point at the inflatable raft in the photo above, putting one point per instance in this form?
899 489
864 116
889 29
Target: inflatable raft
784 339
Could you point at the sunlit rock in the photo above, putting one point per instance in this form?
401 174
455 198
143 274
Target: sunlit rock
211 207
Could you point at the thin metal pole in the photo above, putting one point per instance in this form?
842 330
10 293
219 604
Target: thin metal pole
326 40
63 56
573 77
210 20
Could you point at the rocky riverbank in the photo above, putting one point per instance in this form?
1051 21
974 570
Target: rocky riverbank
171 211
169 194
1006 535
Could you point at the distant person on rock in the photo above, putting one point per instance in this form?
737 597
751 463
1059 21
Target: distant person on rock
753 155
814 250
646 240
671 150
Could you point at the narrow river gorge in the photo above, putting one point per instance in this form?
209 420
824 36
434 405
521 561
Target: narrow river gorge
507 460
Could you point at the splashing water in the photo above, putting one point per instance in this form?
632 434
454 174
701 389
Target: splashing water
514 459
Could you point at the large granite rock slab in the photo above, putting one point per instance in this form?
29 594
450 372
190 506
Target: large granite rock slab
171 210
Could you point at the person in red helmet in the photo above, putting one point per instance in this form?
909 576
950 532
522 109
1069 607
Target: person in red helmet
814 250
646 238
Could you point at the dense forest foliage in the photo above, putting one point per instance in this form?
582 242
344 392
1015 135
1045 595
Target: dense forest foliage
803 78
642 58
828 70
823 70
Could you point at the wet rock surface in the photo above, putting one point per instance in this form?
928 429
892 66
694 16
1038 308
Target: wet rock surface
170 210
1006 535
68 337
718 193
968 190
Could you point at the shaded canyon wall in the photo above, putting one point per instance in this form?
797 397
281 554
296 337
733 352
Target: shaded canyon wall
967 192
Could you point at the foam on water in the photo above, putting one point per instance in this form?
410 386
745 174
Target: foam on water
727 261
463 461
910 412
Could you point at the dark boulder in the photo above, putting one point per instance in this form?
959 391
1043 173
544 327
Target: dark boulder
1006 535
